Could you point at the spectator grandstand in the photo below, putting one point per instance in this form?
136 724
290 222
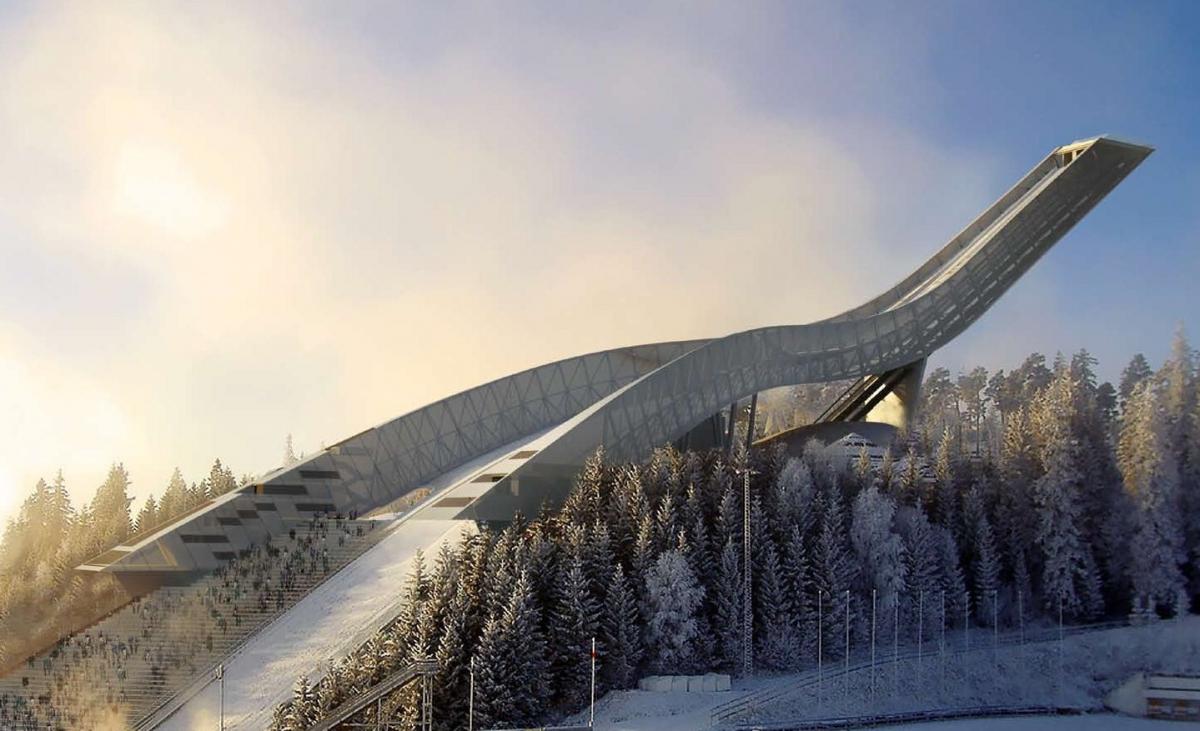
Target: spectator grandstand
125 666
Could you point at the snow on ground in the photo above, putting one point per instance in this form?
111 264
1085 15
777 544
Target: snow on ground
1092 664
326 624
1090 722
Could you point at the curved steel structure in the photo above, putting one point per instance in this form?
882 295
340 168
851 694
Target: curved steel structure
632 399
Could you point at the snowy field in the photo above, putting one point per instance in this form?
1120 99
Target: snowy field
1092 664
1091 722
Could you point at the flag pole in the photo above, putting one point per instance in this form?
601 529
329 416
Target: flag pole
592 711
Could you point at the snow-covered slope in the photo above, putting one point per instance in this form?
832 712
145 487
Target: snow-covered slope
326 624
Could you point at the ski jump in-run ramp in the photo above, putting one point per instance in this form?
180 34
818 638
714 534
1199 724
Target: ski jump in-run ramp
514 444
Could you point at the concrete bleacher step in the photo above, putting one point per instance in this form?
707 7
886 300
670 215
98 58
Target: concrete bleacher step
179 617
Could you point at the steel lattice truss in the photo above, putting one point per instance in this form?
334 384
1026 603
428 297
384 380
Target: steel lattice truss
630 400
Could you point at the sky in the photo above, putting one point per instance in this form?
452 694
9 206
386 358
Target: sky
221 223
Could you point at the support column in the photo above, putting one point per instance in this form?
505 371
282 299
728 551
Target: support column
750 424
729 429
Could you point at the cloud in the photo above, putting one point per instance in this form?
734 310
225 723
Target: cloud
322 233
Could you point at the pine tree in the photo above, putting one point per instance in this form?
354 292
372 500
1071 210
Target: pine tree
834 570
110 508
511 667
1152 480
777 644
952 581
910 488
1137 372
220 480
923 557
800 595
727 608
986 568
880 550
573 624
945 503
582 506
1066 557
147 516
620 636
175 498
675 596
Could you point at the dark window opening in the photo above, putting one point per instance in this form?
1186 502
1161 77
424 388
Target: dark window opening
228 521
320 474
265 507
284 490
247 514
224 555
316 507
202 539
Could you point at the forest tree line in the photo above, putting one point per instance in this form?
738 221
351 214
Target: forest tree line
1045 492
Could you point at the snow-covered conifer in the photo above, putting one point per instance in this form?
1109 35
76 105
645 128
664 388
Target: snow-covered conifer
674 595
1151 477
879 548
727 608
619 634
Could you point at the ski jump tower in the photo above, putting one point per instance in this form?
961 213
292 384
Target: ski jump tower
533 430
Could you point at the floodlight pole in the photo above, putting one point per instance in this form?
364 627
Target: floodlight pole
747 585
820 657
471 699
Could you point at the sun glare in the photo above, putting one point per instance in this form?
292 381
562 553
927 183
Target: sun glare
154 185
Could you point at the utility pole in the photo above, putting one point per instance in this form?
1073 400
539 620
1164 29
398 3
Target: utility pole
967 619
920 631
820 638
995 629
873 644
221 682
747 586
846 672
896 647
471 699
592 711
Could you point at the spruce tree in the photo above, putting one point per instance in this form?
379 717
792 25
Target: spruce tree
1058 527
1137 372
573 624
834 570
727 608
1152 481
675 596
110 508
620 634
879 549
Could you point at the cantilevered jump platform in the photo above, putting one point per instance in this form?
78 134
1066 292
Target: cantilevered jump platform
631 400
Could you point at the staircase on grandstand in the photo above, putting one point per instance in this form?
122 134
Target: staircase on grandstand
135 660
